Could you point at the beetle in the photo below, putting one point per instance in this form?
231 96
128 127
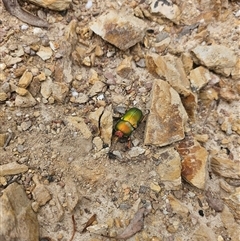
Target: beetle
128 123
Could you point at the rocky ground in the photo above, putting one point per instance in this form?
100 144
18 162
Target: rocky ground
64 87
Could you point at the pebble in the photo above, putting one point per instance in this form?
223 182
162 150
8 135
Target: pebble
26 125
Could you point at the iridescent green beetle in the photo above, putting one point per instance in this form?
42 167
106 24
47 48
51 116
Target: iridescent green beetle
128 123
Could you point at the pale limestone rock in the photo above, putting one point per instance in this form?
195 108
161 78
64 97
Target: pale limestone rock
187 62
25 101
119 28
178 207
12 168
46 88
45 53
166 9
199 77
25 80
125 67
21 91
106 125
18 221
93 76
98 143
40 193
204 233
170 68
95 117
96 88
225 167
78 122
9 60
216 57
194 161
227 217
169 169
167 118
59 91
3 96
136 151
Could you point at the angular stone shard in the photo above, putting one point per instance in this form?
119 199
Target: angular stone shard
199 77
225 167
169 169
18 220
167 9
106 125
167 118
119 29
194 161
219 58
12 169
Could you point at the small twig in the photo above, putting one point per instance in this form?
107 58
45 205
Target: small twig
89 222
74 228
8 140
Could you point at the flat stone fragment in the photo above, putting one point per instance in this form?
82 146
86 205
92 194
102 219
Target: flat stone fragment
125 67
59 91
169 169
194 163
25 101
45 53
178 207
219 58
119 29
3 96
57 5
18 220
225 167
25 80
12 169
3 138
167 9
167 118
79 123
199 77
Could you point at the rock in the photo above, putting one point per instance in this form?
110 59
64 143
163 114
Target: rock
99 229
56 5
35 87
98 143
194 163
45 53
46 88
136 151
119 28
236 70
199 77
187 62
40 193
3 138
3 96
79 123
59 91
12 168
225 167
178 207
233 203
230 223
169 169
25 80
167 9
25 101
26 125
95 117
96 88
170 68
155 187
125 67
9 60
106 125
93 76
164 127
215 57
21 91
204 233
18 221
80 99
